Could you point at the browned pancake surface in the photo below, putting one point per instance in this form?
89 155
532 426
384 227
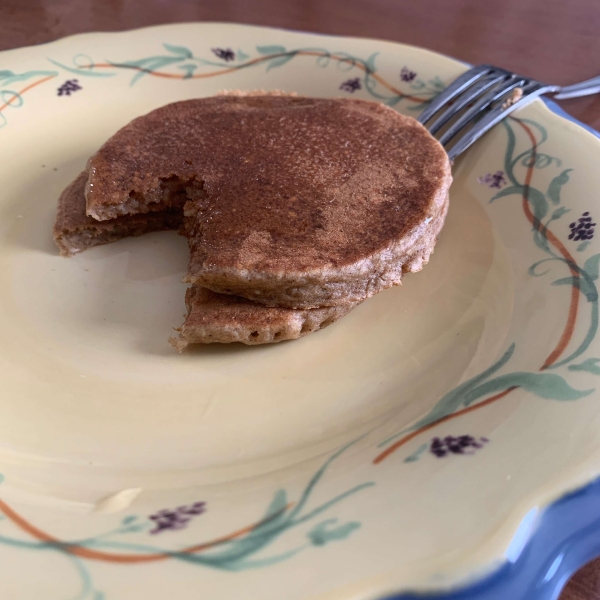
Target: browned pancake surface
296 202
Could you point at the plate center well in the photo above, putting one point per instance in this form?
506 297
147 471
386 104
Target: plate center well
89 378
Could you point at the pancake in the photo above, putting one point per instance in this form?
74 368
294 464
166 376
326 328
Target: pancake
211 317
291 202
222 318
75 232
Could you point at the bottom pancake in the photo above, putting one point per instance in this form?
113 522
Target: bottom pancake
221 318
211 317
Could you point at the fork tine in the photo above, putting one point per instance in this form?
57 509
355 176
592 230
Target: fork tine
455 88
472 93
486 100
530 92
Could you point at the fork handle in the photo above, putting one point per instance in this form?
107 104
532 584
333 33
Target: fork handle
585 88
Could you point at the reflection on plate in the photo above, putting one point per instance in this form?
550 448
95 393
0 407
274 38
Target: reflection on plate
402 448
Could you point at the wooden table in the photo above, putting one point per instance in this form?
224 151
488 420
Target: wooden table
552 40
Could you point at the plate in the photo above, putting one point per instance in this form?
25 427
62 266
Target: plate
410 447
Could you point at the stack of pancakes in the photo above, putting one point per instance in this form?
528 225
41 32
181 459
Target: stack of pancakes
296 209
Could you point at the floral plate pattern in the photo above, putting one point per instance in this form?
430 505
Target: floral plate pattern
287 471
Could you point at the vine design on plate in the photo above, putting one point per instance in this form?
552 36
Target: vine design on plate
10 96
542 208
462 444
68 87
493 180
407 75
239 550
176 518
582 229
448 445
180 62
225 54
351 85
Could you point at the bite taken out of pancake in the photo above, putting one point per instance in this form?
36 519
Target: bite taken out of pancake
212 317
75 232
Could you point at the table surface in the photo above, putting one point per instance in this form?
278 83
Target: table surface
551 40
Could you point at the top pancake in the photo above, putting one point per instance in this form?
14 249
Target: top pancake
295 201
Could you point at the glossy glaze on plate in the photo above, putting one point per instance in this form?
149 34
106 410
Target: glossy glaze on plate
408 447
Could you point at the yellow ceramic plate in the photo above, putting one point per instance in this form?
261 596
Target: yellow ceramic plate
400 448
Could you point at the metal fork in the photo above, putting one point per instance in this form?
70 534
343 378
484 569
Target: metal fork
482 97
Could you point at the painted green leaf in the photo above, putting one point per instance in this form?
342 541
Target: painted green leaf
583 246
455 398
394 100
556 184
416 455
321 534
189 70
241 55
181 50
544 385
370 63
151 62
135 528
536 199
281 60
572 281
87 72
129 519
589 290
584 284
8 77
278 504
538 202
559 212
270 49
509 191
589 366
592 266
511 143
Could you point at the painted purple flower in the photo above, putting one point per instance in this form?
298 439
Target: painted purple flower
68 87
176 518
582 229
463 444
407 75
225 54
493 180
351 85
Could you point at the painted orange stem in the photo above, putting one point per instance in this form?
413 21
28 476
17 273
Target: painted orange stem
567 332
26 89
83 552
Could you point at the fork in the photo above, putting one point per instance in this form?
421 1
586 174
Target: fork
482 97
